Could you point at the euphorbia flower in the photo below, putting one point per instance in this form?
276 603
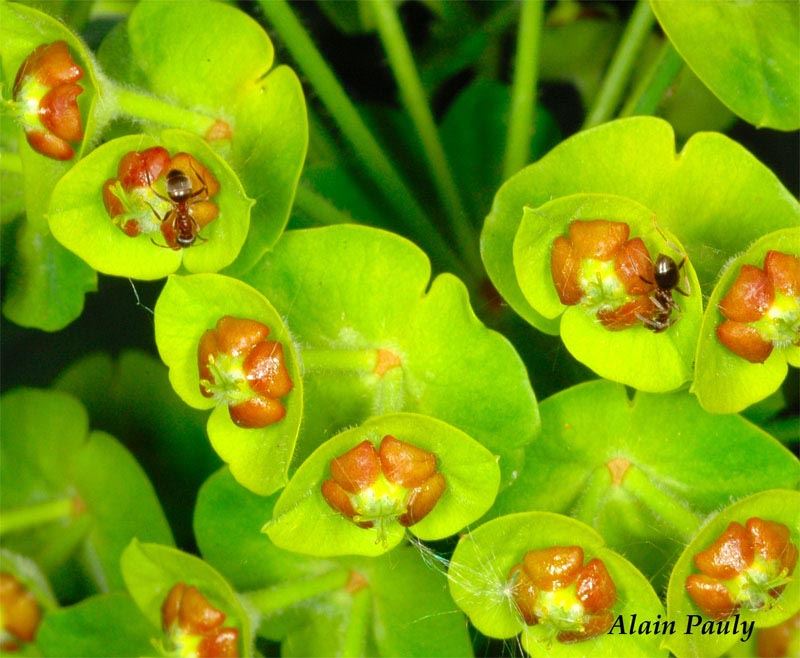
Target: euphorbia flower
194 626
553 587
45 92
781 641
746 567
398 481
597 266
241 368
762 308
139 200
19 613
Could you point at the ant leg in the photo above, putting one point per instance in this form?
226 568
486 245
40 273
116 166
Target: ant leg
158 217
163 246
201 179
154 191
197 230
688 291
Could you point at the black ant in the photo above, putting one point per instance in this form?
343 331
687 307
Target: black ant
179 219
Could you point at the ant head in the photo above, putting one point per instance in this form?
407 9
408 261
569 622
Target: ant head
179 185
666 272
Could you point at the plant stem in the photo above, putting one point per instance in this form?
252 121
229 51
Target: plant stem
355 638
411 91
375 162
318 208
272 599
523 91
362 361
649 92
143 106
30 516
636 32
662 504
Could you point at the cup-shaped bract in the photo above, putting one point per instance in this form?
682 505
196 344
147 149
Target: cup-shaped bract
349 497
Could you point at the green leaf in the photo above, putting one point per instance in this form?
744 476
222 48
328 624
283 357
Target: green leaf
780 505
186 54
470 471
746 53
98 627
79 220
479 585
626 356
725 382
643 472
49 456
186 309
714 196
452 367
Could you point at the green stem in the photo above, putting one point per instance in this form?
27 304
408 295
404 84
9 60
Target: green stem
31 516
648 93
375 162
362 361
10 162
619 71
405 71
523 91
355 638
278 597
389 393
318 208
143 106
662 504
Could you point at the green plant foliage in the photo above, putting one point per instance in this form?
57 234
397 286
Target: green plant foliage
186 54
680 464
409 612
107 499
479 584
780 505
470 471
452 367
745 53
186 309
28 573
725 382
80 221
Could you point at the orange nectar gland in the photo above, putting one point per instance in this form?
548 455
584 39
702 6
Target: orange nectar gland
762 308
553 587
598 267
241 368
779 641
44 100
194 627
398 482
747 567
137 200
19 613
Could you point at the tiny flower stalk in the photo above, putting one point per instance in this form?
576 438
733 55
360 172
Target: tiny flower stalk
239 367
398 482
156 193
194 628
20 614
762 308
746 567
554 588
45 100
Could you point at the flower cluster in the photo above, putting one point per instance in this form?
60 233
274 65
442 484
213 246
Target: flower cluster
598 267
553 587
762 308
141 199
747 567
194 626
45 92
241 368
371 487
19 613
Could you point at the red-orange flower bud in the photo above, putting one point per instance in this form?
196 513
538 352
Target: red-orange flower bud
405 464
356 469
186 611
744 340
19 612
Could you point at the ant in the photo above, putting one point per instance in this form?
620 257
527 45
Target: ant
182 224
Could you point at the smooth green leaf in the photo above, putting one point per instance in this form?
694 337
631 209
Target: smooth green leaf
780 505
725 382
745 52
470 471
186 309
346 290
643 472
479 585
